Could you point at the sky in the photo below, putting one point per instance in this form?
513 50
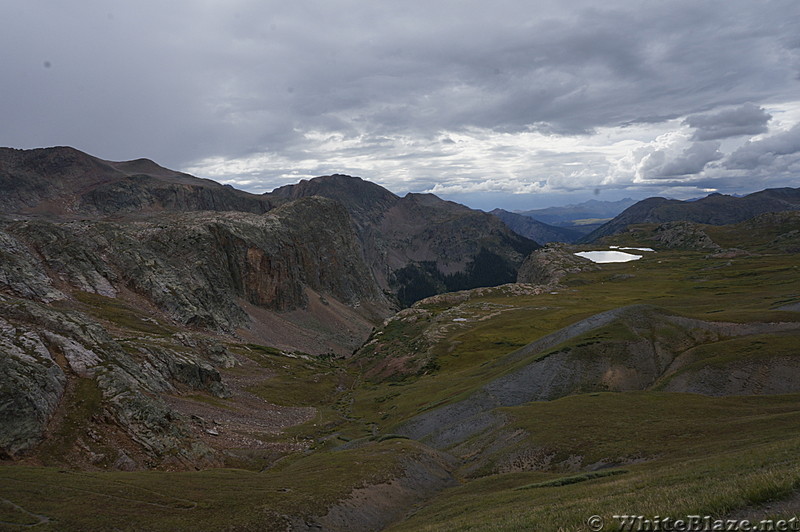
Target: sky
516 104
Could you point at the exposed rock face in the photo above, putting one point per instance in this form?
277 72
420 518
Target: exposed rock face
41 348
429 237
22 274
32 387
194 266
683 235
412 244
548 265
102 263
222 272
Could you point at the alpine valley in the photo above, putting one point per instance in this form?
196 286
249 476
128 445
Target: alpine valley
176 354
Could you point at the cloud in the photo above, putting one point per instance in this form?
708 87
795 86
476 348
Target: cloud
780 152
748 119
540 96
673 155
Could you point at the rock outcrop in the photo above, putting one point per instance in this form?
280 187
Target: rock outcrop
32 387
44 349
196 266
108 272
428 237
548 265
683 235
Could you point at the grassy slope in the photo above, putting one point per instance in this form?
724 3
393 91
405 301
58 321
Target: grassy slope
737 290
698 455
702 454
221 499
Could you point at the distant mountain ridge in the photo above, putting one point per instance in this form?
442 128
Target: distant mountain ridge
714 209
565 215
535 230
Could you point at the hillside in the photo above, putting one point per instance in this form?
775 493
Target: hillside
66 183
714 209
129 280
535 230
457 412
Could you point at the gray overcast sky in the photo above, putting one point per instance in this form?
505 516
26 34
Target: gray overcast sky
512 103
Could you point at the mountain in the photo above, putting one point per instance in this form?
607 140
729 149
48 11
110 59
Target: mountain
567 215
420 245
66 183
535 230
714 209
414 246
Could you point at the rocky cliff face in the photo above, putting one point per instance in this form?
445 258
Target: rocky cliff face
195 267
72 297
95 311
414 245
421 233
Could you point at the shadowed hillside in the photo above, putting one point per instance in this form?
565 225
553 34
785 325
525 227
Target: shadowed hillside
535 230
715 209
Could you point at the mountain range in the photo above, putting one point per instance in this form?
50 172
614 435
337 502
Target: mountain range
405 256
177 354
714 209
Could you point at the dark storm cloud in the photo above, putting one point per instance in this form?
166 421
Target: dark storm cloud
185 81
748 119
